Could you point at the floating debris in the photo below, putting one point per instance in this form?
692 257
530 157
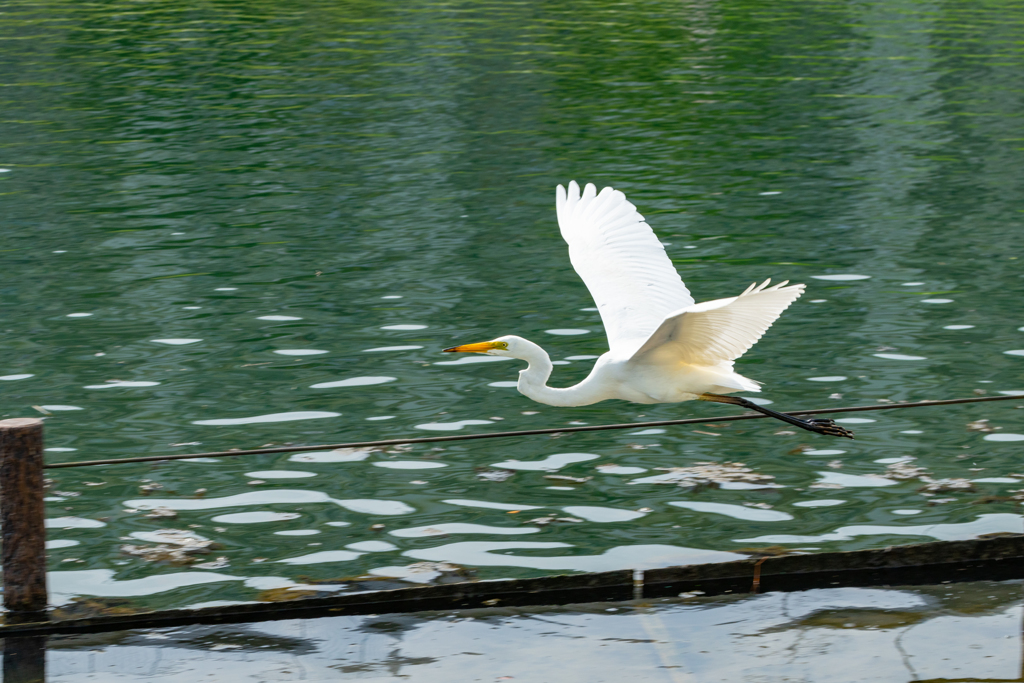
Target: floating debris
981 426
544 521
425 572
147 489
162 513
83 607
488 474
285 594
903 470
568 479
940 485
768 551
708 474
174 546
219 563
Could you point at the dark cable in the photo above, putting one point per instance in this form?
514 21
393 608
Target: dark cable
528 432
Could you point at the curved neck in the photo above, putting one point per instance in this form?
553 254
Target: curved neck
533 381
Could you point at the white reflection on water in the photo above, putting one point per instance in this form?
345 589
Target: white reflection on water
272 497
618 469
353 382
602 514
1015 352
937 301
59 407
846 277
855 420
323 556
584 357
1004 437
56 543
898 356
462 528
487 504
73 523
648 432
408 464
486 554
821 503
552 463
66 585
503 385
79 315
824 451
58 449
958 327
175 342
410 347
341 455
566 332
829 378
984 524
372 546
257 517
735 511
451 426
279 474
120 383
853 480
297 532
273 417
278 317
404 327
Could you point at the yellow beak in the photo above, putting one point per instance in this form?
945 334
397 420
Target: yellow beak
480 347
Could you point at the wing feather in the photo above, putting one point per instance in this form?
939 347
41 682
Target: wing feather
622 262
718 331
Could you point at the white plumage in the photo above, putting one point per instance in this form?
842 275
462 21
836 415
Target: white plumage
663 348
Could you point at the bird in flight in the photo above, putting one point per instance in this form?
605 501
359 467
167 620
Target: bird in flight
664 347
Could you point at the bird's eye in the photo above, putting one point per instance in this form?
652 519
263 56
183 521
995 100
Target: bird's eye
502 345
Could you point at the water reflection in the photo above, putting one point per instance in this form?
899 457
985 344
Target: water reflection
363 168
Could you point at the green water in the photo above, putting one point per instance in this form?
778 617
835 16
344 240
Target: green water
181 172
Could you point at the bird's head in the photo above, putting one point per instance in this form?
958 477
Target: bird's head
502 346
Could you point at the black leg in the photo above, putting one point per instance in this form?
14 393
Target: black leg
817 425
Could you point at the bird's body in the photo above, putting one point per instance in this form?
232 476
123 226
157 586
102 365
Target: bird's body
663 347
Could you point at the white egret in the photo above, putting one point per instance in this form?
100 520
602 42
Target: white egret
664 348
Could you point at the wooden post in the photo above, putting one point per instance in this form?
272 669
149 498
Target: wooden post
22 518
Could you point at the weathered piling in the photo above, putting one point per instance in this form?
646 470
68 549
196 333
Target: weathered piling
22 518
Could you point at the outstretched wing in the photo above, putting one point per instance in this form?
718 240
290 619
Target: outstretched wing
625 267
718 331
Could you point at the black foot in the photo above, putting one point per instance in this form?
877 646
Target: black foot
827 427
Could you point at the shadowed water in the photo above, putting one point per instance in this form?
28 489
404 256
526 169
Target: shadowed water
235 225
